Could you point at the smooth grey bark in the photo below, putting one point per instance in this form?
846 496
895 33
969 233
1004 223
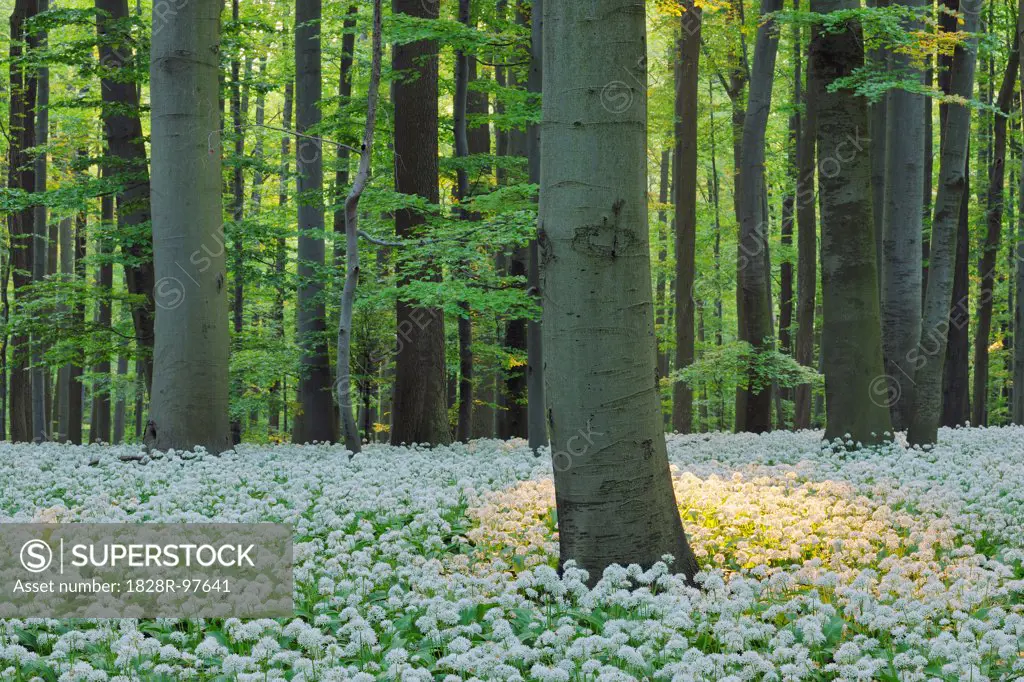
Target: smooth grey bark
341 175
350 430
121 406
122 128
902 225
612 481
316 418
464 425
753 405
67 269
99 417
75 397
537 430
661 303
190 379
1005 103
239 112
851 341
419 412
684 173
40 266
281 258
1017 411
807 252
879 131
929 356
20 224
956 383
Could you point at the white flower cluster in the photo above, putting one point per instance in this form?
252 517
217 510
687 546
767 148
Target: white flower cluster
439 564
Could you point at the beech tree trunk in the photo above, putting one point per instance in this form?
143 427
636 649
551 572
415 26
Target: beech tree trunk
99 417
40 251
807 252
613 486
684 173
902 223
75 404
419 411
929 356
344 388
754 403
851 342
316 420
281 258
538 431
190 379
956 383
1005 103
348 46
125 142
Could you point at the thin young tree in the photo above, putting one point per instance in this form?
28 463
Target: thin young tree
190 379
350 430
851 339
1005 103
613 486
40 249
684 173
929 356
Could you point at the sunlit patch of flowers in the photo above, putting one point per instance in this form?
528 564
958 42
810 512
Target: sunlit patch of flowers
418 564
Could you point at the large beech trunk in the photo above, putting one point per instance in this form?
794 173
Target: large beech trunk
316 419
613 486
902 222
190 374
851 334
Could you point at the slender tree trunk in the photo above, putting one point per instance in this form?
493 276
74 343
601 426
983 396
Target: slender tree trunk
930 353
660 301
464 428
754 402
1005 103
612 480
75 405
537 408
348 46
419 411
239 112
316 419
344 387
479 142
40 251
67 270
99 419
190 379
121 407
807 253
878 131
684 172
851 342
281 258
123 130
21 175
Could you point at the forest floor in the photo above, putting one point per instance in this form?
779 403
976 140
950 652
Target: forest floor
418 564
